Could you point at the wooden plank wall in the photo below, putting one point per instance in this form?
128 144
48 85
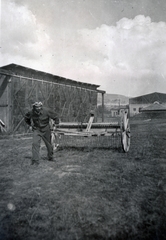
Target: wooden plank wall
5 105
73 104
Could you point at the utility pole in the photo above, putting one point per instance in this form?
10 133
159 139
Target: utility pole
102 92
119 106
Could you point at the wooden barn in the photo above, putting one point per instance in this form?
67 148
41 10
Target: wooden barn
20 87
140 102
154 111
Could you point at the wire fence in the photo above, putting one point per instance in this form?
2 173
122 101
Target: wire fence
113 141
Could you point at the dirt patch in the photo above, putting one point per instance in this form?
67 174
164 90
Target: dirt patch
89 191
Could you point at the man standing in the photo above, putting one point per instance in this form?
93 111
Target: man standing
38 119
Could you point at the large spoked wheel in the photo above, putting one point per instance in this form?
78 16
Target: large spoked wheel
125 133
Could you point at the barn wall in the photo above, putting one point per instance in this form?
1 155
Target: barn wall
70 102
5 100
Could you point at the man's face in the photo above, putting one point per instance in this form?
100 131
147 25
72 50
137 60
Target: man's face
37 109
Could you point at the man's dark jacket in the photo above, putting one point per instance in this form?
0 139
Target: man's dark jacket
40 120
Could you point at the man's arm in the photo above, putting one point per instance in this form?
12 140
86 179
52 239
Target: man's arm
27 118
53 115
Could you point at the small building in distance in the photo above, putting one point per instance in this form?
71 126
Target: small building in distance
136 104
119 110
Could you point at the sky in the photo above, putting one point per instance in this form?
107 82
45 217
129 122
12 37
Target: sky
117 44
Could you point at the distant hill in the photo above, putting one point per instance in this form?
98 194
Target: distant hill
113 99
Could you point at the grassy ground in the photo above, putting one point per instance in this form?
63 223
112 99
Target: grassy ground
92 190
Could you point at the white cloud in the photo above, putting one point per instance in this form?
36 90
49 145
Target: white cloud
132 44
128 58
21 34
131 51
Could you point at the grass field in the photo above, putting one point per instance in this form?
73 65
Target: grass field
91 191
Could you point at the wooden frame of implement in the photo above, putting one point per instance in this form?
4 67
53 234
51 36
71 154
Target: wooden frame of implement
91 129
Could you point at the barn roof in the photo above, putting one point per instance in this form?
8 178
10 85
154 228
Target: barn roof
149 98
35 74
154 107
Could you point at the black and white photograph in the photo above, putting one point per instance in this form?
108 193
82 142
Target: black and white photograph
83 120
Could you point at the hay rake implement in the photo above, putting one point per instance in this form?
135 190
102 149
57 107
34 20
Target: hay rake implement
120 127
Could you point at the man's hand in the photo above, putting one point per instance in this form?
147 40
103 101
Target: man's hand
55 124
31 128
55 127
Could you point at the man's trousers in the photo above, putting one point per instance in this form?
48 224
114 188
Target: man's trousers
46 137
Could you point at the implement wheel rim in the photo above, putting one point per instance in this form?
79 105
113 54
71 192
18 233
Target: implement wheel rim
125 135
